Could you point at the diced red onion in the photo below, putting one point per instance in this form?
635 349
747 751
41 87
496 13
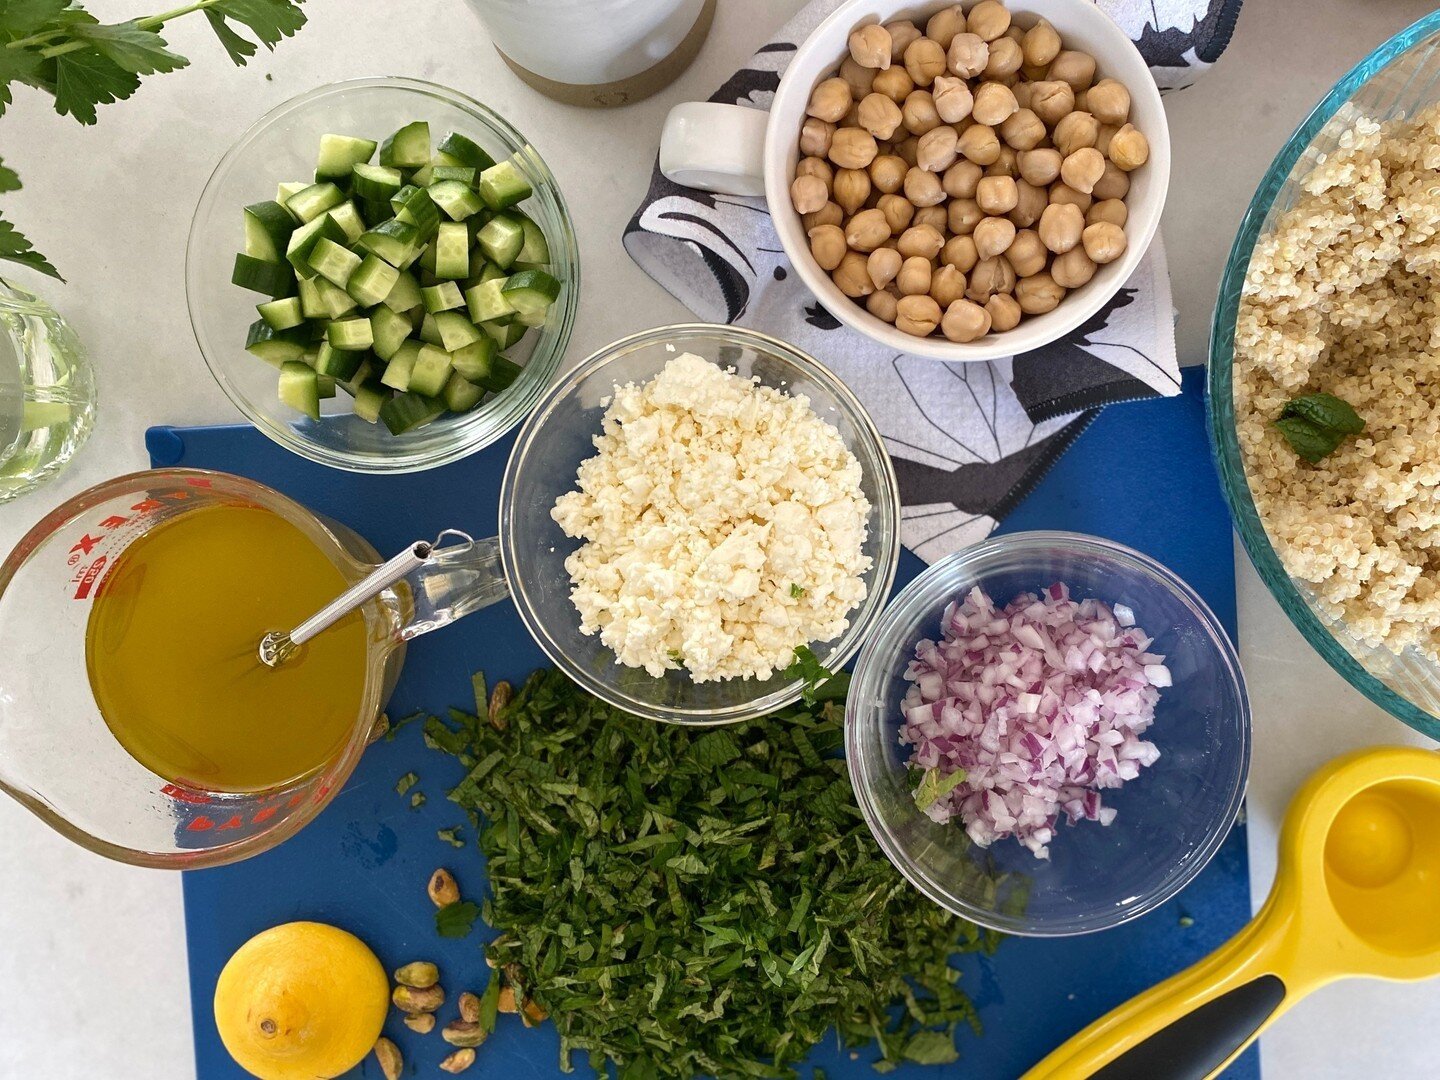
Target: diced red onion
1042 703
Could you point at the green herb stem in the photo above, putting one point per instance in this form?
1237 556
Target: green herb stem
151 22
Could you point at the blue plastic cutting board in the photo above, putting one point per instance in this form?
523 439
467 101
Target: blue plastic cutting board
1141 475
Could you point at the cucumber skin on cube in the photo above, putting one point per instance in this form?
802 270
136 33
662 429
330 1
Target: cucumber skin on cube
388 331
442 297
452 251
350 335
501 239
299 388
455 199
283 314
486 367
375 182
405 295
461 395
486 301
505 332
465 151
536 248
370 398
408 148
264 342
465 174
333 262
285 189
503 185
432 370
347 216
304 239
456 331
413 206
268 226
422 176
530 292
338 363
408 411
309 204
341 153
272 279
372 281
393 241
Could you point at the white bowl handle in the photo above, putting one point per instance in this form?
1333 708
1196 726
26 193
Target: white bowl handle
715 147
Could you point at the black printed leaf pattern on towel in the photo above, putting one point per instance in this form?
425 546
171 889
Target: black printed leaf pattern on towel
1171 46
819 318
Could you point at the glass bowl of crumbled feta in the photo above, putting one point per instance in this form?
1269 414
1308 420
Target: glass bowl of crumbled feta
686 508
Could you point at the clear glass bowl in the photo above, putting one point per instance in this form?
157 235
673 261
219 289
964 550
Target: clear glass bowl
281 145
558 437
1169 821
1396 80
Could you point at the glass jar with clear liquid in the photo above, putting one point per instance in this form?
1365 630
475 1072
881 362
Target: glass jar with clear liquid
47 392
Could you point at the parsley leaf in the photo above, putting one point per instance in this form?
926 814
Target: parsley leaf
21 17
820 684
85 79
128 46
457 919
17 249
271 21
9 180
933 787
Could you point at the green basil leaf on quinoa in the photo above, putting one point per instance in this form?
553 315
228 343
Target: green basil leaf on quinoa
1325 411
1309 440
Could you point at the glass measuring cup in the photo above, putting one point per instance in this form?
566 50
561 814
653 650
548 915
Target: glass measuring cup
57 754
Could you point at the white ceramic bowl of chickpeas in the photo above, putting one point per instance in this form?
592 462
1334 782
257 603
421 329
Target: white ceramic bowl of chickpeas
966 182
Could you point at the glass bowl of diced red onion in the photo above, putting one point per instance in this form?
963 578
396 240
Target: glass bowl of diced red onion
1048 733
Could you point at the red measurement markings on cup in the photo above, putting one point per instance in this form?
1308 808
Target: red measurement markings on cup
226 819
110 535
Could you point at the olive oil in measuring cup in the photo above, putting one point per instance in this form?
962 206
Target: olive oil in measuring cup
171 648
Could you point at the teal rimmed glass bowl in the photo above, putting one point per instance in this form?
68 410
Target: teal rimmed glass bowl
1396 80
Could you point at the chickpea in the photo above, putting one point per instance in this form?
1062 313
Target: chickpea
1073 67
936 151
1060 227
994 103
887 172
882 304
919 114
815 137
884 263
980 144
918 315
894 82
935 216
993 236
1074 131
988 20
1112 210
816 166
898 212
851 276
1022 129
924 59
1129 149
922 187
1052 99
867 230
1104 242
1082 99
809 193
1027 253
879 115
1015 33
947 285
924 241
960 252
1072 269
945 24
829 214
1082 169
1103 137
851 118
989 277
853 148
1038 294
1004 312
852 188
1061 192
861 79
914 277
907 150
962 179
968 54
965 321
1034 74
902 33
827 245
1114 182
830 100
1109 100
1004 165
1041 44
952 97
1039 167
1005 58
964 215
870 46
997 194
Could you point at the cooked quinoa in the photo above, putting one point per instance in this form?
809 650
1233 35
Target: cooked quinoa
1343 297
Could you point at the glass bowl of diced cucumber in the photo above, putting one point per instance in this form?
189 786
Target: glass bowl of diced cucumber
382 275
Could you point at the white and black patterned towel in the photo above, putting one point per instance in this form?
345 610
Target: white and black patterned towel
969 441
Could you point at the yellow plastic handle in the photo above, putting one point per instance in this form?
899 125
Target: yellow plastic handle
1197 1022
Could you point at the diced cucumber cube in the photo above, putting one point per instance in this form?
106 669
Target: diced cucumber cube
432 369
473 361
282 314
429 330
336 362
324 386
535 249
303 241
503 185
408 148
272 279
461 395
464 151
312 304
375 182
352 335
529 319
457 200
408 411
268 226
298 388
413 206
337 301
456 331
348 218
363 374
341 153
452 251
491 272
401 365
284 190
422 176
372 281
388 331
442 297
501 239
465 174
487 302
405 295
309 204
530 292
369 400
333 262
394 241
275 346
506 332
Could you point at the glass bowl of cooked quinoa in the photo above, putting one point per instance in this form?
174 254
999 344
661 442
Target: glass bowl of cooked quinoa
1324 378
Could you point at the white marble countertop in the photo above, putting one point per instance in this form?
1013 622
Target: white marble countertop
92 955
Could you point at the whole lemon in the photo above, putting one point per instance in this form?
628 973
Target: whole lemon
301 1000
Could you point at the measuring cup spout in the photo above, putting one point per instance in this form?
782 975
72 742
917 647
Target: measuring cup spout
453 582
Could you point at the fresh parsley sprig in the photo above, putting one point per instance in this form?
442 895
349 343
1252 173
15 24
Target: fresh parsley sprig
60 48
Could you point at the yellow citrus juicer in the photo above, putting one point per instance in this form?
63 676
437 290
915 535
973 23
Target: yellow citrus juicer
1356 893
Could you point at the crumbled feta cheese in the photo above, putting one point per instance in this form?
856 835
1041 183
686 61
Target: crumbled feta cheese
723 524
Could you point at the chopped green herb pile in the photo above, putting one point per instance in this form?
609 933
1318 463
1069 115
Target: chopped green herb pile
456 920
406 782
685 902
1316 424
